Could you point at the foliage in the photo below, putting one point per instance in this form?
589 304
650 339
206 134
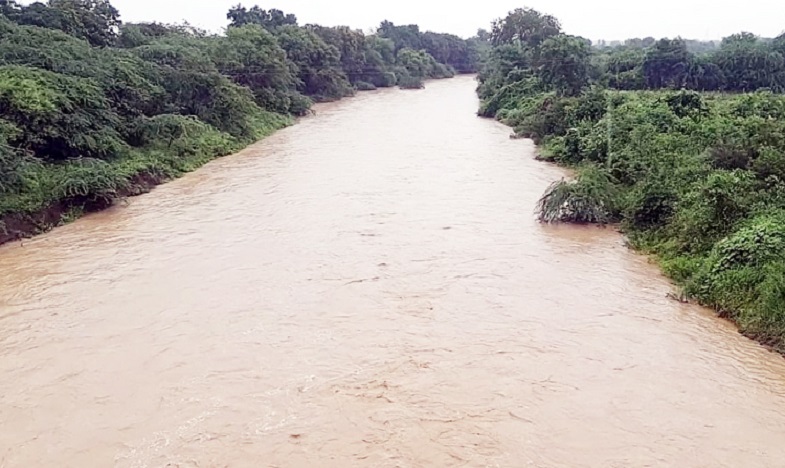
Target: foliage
241 16
88 104
420 64
696 178
93 20
525 26
62 117
458 54
252 57
318 64
364 86
410 82
590 198
563 64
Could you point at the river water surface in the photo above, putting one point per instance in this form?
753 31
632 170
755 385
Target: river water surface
367 288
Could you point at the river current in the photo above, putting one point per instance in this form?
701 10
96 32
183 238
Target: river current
367 288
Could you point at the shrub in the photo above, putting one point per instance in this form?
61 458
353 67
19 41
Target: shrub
755 243
650 204
60 116
410 82
385 80
91 179
591 198
364 86
711 209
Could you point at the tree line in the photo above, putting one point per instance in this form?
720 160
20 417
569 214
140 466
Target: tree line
89 103
740 63
528 39
695 178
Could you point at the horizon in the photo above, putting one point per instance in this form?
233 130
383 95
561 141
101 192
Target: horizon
577 18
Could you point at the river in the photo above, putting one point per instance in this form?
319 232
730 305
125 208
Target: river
367 288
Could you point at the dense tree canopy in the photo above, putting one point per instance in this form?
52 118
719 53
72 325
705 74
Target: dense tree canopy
524 26
94 20
88 103
241 16
318 64
563 63
462 55
739 63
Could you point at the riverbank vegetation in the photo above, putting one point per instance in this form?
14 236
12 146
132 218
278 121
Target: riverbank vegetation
685 151
91 106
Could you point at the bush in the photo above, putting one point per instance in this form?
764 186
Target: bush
410 82
440 70
730 157
650 205
385 80
743 278
549 116
591 198
756 242
509 96
90 179
60 116
770 163
711 209
364 86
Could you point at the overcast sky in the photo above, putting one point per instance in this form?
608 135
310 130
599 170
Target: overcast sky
598 19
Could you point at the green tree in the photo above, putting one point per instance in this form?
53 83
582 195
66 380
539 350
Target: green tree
252 57
94 20
526 26
404 37
748 64
241 16
623 68
666 64
318 64
563 64
350 45
450 50
705 75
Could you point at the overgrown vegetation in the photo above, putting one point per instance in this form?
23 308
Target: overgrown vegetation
88 105
696 178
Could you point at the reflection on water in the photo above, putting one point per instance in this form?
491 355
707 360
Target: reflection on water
367 288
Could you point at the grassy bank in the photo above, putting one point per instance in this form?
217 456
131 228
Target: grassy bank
48 195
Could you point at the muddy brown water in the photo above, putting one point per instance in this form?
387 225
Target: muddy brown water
367 288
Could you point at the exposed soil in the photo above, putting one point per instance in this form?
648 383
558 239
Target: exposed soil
17 226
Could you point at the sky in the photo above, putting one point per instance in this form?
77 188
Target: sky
597 19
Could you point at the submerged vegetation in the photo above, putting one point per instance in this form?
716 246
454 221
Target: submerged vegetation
90 106
685 151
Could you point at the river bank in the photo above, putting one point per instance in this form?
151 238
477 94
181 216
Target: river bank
99 112
19 226
130 176
694 180
305 300
684 150
88 186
